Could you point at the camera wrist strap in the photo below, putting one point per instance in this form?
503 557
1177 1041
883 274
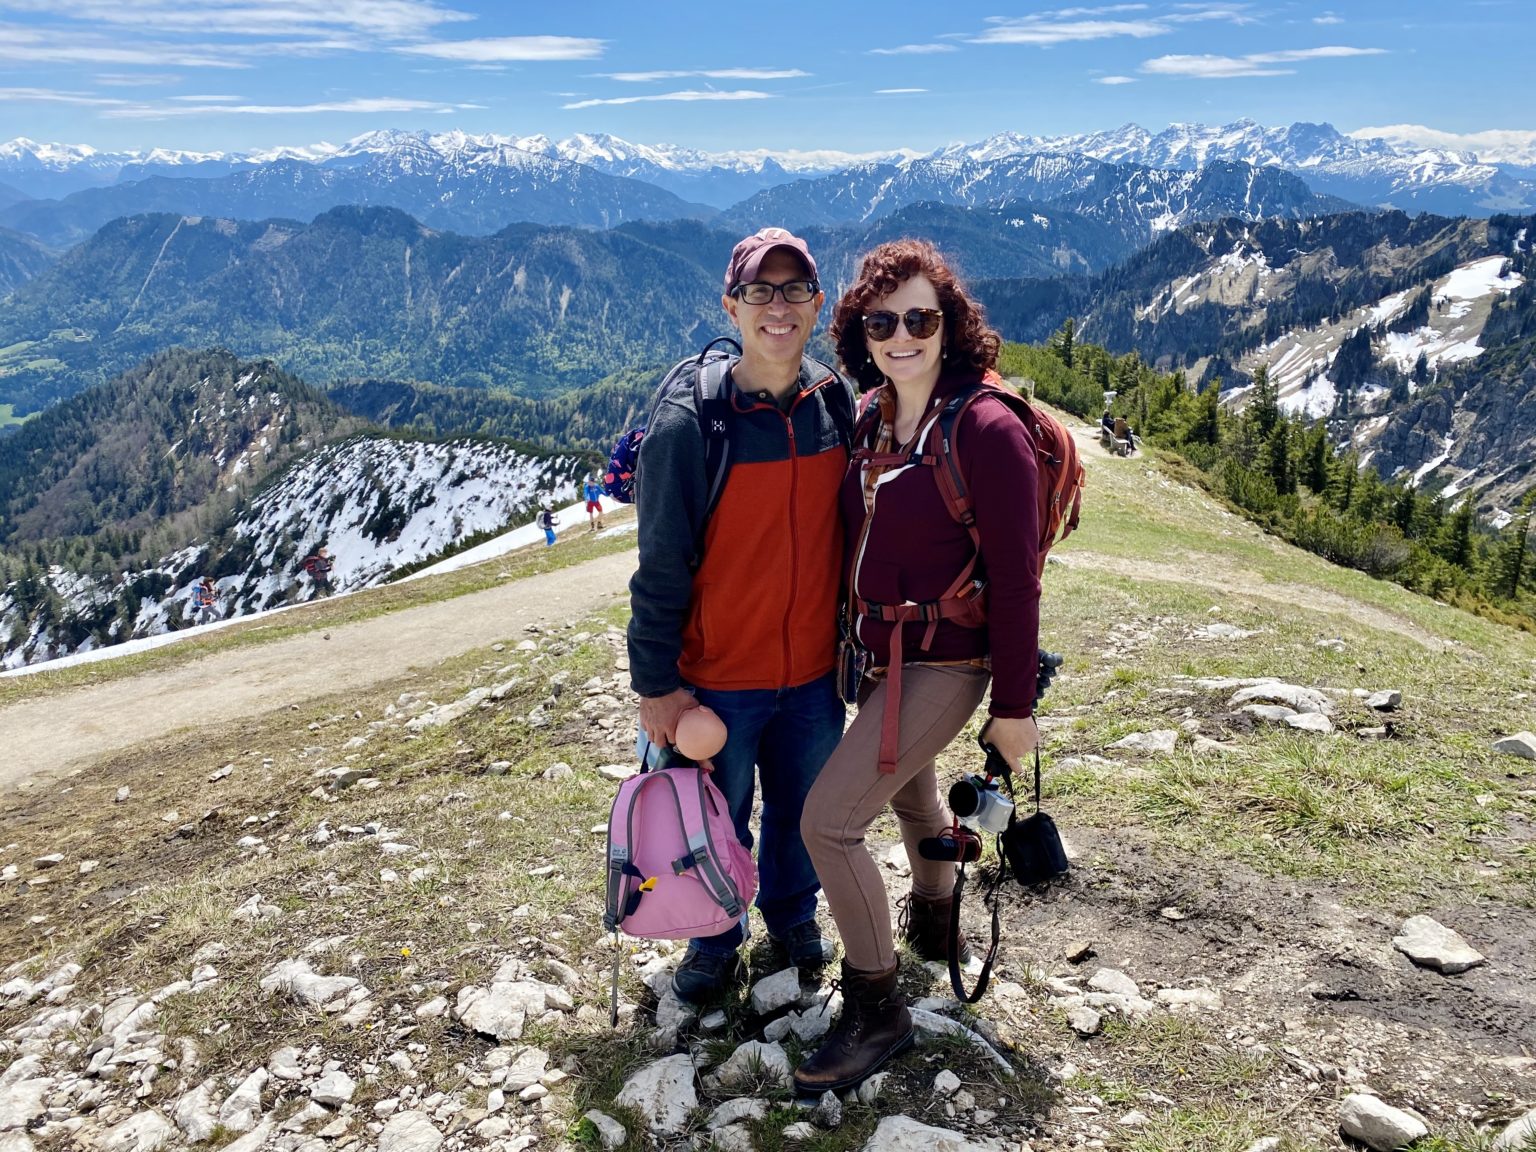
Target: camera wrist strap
955 980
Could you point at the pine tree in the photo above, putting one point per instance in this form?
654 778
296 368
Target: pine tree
1315 455
1277 459
1062 344
1348 478
1455 545
1263 403
1509 561
1206 426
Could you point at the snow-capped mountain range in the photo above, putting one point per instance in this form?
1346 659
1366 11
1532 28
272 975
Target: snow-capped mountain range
1368 170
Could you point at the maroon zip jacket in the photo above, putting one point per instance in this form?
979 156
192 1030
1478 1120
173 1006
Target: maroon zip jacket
911 549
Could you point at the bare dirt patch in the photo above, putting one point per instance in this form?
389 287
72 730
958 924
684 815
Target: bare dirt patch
54 735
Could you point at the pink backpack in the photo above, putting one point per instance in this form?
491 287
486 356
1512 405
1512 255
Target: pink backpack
675 867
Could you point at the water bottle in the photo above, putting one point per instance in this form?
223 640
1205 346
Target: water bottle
650 754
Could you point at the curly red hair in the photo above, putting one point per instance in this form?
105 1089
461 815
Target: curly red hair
970 346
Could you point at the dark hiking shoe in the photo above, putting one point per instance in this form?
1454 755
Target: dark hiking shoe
705 976
924 924
805 946
874 1026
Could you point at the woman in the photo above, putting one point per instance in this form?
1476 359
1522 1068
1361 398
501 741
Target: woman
908 330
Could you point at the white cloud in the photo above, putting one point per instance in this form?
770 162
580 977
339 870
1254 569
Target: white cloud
1195 13
366 105
913 50
1115 80
899 91
1034 30
389 19
30 46
210 99
712 74
499 48
1256 64
55 96
137 80
685 95
1327 18
1492 145
1102 10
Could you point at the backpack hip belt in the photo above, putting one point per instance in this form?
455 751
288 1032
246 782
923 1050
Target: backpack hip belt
965 606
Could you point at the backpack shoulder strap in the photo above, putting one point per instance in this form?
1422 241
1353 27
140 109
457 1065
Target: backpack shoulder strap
840 400
712 394
952 485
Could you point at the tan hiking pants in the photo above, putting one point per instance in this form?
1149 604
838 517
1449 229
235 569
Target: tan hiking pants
936 702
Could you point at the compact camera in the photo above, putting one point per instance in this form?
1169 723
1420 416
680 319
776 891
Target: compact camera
978 801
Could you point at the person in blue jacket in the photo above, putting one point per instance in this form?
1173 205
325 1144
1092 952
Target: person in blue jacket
594 494
547 521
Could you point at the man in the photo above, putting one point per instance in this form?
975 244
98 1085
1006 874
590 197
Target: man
205 599
594 494
319 567
748 626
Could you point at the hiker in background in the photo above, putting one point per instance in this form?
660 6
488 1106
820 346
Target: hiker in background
748 626
205 600
547 521
1125 439
594 494
907 329
319 567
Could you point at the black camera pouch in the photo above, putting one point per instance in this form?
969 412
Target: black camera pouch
851 663
1033 849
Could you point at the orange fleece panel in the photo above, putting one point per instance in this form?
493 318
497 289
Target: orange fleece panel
764 608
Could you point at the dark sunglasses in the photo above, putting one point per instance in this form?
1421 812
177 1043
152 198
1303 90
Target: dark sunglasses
761 292
920 323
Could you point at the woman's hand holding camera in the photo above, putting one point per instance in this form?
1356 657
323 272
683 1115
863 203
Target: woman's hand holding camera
1013 737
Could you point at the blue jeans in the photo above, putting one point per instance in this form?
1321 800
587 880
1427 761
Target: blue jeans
787 734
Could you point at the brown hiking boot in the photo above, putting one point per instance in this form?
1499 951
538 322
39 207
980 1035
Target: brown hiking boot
874 1026
925 926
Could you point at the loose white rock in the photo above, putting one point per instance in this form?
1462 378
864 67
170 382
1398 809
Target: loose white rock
1161 740
241 1110
1377 1124
753 1060
776 991
1113 981
662 1092
409 1132
1522 744
742 1108
333 1089
1291 695
1430 944
195 1115
141 1132
609 1131
1084 1020
904 1134
1519 1133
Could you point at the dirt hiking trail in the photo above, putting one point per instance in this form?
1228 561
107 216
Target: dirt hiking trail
65 731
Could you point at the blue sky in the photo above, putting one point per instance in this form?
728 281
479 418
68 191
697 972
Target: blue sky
243 74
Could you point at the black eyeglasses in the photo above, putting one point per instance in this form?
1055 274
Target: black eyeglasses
921 323
761 292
